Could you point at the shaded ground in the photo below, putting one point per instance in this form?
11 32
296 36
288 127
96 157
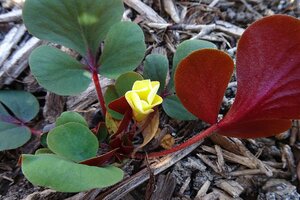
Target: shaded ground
220 168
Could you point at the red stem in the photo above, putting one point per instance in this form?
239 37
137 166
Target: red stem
187 143
99 92
93 69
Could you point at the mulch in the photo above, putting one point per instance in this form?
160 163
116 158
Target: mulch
219 168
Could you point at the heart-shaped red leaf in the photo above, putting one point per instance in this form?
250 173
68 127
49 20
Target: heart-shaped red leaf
268 75
201 80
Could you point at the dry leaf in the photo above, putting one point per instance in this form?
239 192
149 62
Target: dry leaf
150 130
167 142
111 124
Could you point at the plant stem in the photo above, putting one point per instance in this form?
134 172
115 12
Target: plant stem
93 69
187 143
99 92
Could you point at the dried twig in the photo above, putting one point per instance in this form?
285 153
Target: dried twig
14 15
145 11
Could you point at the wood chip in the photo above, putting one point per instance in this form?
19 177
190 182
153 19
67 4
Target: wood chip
231 187
18 62
203 190
119 190
145 11
10 41
171 9
165 187
15 15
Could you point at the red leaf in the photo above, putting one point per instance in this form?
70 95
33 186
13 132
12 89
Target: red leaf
100 160
257 128
120 105
268 73
201 80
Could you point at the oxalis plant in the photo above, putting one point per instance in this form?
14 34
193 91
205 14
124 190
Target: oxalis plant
77 157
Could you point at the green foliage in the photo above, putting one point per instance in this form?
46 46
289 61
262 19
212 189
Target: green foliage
73 141
58 72
69 116
183 50
125 82
77 24
156 68
174 108
124 49
22 104
23 107
13 136
62 175
110 95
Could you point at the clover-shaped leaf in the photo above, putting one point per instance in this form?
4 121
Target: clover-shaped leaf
24 107
73 141
80 25
156 68
58 72
268 79
52 171
124 49
174 108
22 104
70 116
201 80
183 50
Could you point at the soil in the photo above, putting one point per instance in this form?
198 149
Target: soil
205 173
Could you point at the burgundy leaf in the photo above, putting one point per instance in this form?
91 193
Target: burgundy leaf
100 160
120 105
268 75
201 80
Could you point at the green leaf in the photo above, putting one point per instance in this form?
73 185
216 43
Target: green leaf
76 24
156 68
124 49
73 141
125 82
70 116
110 95
58 72
183 50
43 151
3 111
102 133
174 109
51 171
23 104
13 136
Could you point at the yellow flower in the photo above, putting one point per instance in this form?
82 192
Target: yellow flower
142 98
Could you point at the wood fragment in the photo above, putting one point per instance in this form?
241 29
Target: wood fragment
225 143
119 190
10 41
213 3
185 185
208 162
171 9
232 157
54 106
145 11
263 167
88 97
18 62
165 187
221 162
231 187
290 160
203 190
14 15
